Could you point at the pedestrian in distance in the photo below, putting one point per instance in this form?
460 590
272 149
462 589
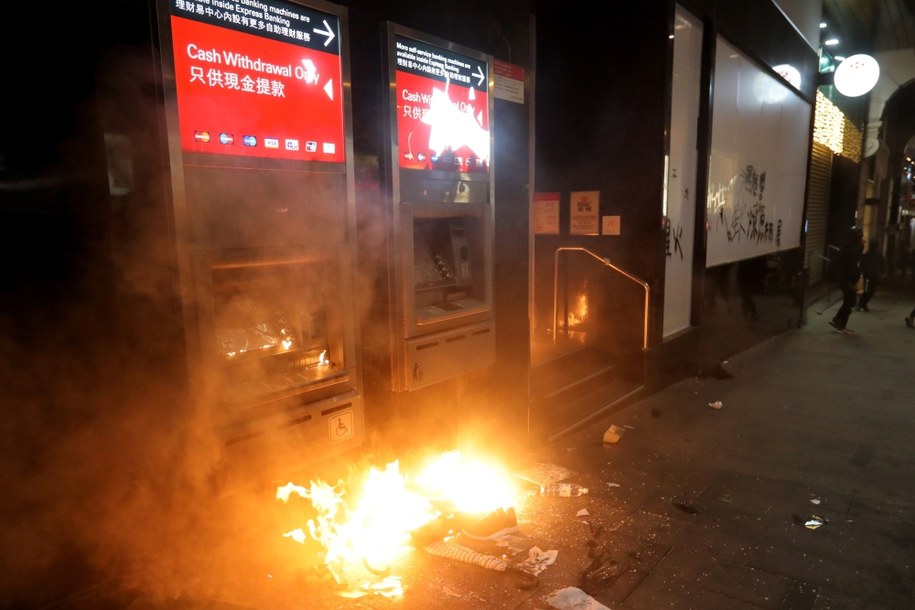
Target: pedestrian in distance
872 266
848 271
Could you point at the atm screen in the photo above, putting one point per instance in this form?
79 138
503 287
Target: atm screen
258 79
442 108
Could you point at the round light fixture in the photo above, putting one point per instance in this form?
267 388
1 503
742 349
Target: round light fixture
790 74
856 75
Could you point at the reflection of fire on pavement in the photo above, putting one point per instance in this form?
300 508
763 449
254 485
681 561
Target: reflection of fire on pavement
364 532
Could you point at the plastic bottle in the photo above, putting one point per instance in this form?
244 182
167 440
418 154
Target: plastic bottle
563 490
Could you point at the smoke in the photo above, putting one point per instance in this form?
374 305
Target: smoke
110 472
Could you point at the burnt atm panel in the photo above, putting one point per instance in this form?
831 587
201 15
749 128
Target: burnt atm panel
440 106
260 144
447 257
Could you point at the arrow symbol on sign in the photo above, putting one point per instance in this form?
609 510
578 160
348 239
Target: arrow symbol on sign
480 76
328 32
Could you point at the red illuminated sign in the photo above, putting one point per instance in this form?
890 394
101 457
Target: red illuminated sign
442 108
259 79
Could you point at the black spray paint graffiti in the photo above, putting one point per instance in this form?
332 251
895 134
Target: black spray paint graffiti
677 235
747 218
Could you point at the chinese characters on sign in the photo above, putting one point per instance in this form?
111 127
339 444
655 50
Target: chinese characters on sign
545 218
583 213
258 78
442 108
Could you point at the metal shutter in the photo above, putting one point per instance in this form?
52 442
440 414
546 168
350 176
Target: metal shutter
817 211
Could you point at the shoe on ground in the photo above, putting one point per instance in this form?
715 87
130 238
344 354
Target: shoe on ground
908 321
864 308
494 525
836 325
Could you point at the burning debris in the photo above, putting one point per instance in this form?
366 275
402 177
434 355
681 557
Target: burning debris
363 533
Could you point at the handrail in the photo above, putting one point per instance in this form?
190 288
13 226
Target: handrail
606 262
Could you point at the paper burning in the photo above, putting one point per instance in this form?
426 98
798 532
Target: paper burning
364 532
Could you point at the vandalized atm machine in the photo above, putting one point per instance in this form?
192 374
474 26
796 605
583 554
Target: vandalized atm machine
440 108
260 155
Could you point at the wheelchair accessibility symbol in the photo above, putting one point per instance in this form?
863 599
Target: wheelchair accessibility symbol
340 426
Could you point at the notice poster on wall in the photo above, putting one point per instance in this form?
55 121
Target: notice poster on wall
258 79
758 164
545 214
442 108
584 207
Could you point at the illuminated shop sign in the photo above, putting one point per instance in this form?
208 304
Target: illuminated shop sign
258 78
442 108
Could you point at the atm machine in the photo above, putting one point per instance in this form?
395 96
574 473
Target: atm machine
440 159
260 153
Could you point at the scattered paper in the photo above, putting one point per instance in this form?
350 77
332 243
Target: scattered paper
582 513
613 484
572 598
815 501
537 561
613 434
715 405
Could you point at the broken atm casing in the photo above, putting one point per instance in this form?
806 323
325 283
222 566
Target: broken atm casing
441 176
260 155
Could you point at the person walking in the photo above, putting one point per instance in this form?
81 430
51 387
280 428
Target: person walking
910 319
872 265
848 270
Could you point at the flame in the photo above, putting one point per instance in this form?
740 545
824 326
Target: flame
578 313
364 534
469 485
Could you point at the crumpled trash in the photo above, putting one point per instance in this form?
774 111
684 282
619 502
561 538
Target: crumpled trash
814 522
537 560
572 598
716 405
613 434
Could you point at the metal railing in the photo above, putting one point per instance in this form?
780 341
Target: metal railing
605 262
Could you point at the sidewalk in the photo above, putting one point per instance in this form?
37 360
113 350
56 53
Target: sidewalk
713 503
796 493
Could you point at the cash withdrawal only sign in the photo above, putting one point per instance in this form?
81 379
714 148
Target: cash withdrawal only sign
442 108
258 78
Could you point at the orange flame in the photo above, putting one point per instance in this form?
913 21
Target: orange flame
365 535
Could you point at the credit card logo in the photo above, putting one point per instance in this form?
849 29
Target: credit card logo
249 140
226 138
202 136
311 146
328 148
292 144
271 143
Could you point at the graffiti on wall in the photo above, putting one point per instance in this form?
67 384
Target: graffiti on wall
739 209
